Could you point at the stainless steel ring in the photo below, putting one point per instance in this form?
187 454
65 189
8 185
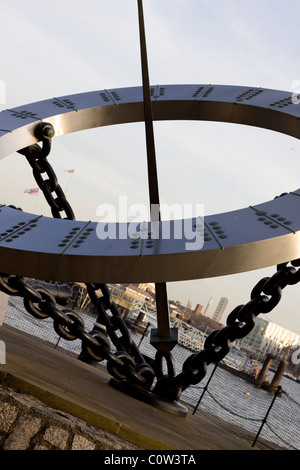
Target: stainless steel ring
254 237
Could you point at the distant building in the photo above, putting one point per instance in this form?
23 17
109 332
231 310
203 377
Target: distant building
220 309
269 338
198 309
196 313
181 312
135 292
253 341
148 286
278 341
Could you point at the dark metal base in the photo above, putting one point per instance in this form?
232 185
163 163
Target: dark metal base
149 397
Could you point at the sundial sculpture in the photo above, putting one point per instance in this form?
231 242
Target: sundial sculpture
63 250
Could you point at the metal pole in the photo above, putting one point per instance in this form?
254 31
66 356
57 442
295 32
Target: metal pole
151 157
162 305
205 388
144 333
262 374
265 418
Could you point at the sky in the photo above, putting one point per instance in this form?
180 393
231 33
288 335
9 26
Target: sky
67 47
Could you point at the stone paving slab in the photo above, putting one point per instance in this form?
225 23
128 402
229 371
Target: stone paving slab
28 424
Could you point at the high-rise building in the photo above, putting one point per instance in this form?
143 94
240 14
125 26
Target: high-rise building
198 309
196 313
220 309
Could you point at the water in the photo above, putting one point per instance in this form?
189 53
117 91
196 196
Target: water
237 401
228 396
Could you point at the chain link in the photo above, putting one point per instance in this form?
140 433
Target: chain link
127 351
127 363
264 298
36 156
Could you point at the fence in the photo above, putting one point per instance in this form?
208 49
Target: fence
232 401
274 419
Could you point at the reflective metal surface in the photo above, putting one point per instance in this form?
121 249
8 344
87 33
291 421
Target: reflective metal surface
236 241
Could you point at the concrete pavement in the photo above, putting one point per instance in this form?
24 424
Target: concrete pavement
63 382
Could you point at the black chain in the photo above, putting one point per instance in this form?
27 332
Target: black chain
127 363
264 298
36 156
128 355
68 324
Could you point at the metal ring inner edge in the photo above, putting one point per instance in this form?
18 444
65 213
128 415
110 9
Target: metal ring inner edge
237 241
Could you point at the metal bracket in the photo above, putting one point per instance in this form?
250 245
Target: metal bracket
162 343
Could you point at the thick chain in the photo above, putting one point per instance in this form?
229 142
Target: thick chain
127 363
130 363
264 298
69 325
36 156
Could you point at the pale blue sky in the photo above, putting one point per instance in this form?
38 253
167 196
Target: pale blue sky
65 47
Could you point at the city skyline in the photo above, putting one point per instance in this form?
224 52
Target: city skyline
75 47
190 314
